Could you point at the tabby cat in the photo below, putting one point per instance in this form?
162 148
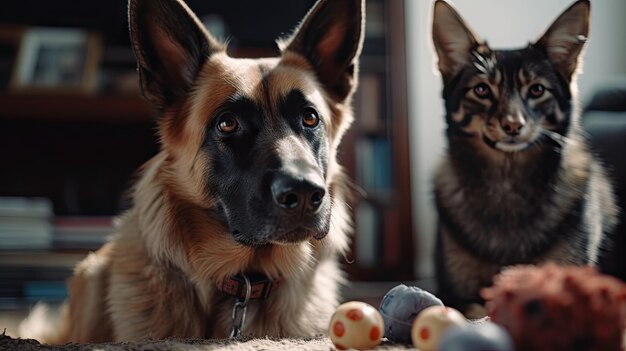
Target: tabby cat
518 184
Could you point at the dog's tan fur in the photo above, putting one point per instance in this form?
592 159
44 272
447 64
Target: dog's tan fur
158 275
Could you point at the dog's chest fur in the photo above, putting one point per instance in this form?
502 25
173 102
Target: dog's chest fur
151 296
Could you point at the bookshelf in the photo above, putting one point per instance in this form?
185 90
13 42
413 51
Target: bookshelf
78 152
121 109
81 150
376 152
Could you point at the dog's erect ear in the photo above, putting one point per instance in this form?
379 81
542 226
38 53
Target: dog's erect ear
330 37
171 45
566 37
452 38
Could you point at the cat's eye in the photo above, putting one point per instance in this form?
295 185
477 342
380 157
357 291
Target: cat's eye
482 90
536 91
310 118
228 123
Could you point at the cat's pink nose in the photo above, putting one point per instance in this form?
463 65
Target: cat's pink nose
512 125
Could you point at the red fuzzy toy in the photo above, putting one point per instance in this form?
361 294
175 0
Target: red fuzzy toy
554 307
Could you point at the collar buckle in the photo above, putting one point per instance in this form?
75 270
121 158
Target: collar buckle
240 307
260 286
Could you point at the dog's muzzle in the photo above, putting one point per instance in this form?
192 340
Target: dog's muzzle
298 195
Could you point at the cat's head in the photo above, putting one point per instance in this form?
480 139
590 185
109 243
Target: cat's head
508 100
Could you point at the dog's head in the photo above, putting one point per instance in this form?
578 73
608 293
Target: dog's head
503 101
253 140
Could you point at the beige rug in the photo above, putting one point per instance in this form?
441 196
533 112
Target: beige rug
319 343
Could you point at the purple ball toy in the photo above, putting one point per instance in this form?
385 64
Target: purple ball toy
399 308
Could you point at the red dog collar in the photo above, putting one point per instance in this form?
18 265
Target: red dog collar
260 285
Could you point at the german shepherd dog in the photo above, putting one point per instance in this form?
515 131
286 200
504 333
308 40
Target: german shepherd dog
518 184
246 184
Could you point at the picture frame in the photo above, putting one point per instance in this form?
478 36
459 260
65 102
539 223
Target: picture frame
57 60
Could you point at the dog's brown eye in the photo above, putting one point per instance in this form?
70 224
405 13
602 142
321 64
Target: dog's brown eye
482 90
310 118
536 91
228 123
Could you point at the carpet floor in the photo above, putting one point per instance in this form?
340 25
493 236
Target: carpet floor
8 343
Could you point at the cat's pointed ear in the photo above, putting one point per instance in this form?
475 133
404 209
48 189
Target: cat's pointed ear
330 37
565 39
452 38
171 45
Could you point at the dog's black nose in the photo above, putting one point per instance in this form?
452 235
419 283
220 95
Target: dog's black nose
301 193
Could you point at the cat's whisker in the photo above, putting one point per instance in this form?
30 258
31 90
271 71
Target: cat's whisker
558 138
538 143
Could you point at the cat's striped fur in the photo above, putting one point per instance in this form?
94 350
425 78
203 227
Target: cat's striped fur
518 183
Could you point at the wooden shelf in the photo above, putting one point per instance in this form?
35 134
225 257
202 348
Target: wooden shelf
74 107
376 156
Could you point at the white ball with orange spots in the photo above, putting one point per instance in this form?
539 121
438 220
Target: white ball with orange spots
431 323
356 325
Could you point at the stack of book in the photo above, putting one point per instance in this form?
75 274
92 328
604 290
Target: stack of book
38 251
27 277
25 223
82 232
